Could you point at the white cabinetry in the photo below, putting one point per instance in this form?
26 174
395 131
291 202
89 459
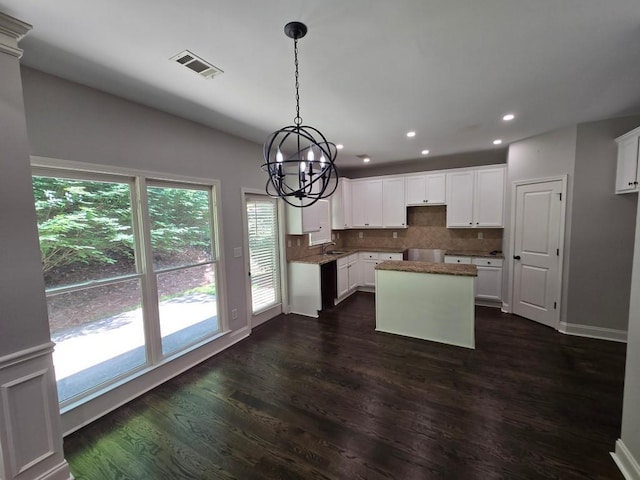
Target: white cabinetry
368 262
489 279
628 158
323 234
366 203
488 283
475 198
394 210
341 205
348 276
304 220
426 189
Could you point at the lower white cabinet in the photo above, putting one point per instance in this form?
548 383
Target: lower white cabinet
489 279
368 262
348 276
488 283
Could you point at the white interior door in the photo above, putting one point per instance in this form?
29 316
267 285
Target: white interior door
536 264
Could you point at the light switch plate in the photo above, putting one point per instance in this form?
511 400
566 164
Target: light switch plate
237 252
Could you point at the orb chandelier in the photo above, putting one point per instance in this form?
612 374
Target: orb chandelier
298 158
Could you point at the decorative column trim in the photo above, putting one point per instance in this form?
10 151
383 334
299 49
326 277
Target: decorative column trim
11 32
30 433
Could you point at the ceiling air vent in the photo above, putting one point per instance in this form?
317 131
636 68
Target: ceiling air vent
195 63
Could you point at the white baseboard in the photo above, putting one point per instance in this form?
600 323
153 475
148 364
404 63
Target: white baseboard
60 472
626 463
593 332
505 308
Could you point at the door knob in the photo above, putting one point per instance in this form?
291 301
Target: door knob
516 257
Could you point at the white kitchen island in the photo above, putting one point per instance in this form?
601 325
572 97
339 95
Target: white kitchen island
430 301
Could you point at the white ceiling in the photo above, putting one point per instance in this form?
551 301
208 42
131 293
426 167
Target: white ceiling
370 70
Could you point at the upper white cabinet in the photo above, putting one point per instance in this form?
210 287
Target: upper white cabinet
428 189
304 220
394 210
475 198
323 234
366 202
341 217
628 158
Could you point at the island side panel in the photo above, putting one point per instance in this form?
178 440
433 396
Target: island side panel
428 306
305 291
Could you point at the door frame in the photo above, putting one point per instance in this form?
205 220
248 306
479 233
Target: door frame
284 296
512 241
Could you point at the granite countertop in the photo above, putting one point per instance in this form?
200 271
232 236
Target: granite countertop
473 253
428 267
322 259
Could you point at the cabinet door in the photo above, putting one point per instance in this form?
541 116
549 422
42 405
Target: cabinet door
416 187
627 171
489 198
354 273
489 283
323 235
460 199
341 205
311 217
436 189
366 201
359 191
394 210
369 273
374 203
343 280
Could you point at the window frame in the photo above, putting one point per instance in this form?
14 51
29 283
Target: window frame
138 181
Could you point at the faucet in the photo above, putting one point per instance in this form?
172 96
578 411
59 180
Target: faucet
325 245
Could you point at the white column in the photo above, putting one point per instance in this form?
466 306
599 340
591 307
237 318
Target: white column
30 431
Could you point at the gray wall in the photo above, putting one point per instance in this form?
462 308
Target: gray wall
547 155
600 226
603 230
73 122
23 310
469 159
630 412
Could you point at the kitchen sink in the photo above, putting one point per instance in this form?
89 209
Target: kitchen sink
336 252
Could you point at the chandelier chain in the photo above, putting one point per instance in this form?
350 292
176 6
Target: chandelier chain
298 119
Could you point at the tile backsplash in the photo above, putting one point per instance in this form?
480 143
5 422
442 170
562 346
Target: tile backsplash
426 229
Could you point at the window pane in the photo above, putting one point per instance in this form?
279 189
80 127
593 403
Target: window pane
99 335
85 229
188 306
180 226
263 252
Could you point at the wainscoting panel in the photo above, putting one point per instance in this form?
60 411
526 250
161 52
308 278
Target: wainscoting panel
31 437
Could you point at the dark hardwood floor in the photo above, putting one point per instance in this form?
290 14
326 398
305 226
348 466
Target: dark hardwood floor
332 399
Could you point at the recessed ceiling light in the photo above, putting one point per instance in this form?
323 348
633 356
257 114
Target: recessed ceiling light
425 152
339 146
497 141
508 117
411 134
366 159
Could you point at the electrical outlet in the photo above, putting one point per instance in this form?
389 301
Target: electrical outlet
297 242
480 236
395 234
338 235
234 313
333 236
289 243
360 234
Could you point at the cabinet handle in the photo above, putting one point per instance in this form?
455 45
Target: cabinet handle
458 261
488 263
477 223
635 183
516 257
470 223
630 183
